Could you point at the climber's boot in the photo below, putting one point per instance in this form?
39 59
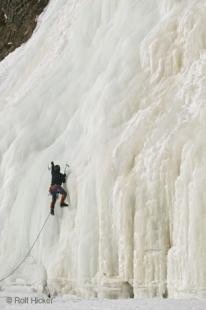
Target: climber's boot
52 211
63 203
52 206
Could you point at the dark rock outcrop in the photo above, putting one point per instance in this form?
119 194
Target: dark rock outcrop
18 20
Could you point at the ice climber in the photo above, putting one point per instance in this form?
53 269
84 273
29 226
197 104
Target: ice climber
57 179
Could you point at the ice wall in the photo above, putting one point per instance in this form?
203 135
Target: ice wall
117 89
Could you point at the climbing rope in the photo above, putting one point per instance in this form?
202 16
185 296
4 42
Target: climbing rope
29 251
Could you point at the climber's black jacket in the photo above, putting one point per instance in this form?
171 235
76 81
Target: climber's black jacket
57 177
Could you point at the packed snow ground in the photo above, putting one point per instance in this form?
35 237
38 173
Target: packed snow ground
23 298
117 89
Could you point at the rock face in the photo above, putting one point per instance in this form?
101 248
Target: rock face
17 22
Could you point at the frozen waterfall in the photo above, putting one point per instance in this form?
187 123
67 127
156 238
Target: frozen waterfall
117 89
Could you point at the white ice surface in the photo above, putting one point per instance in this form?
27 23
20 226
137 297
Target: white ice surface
117 89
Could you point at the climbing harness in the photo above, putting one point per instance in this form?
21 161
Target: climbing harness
29 251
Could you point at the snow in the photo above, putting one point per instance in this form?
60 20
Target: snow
115 88
17 297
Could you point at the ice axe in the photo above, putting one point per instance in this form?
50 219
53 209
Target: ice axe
66 167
